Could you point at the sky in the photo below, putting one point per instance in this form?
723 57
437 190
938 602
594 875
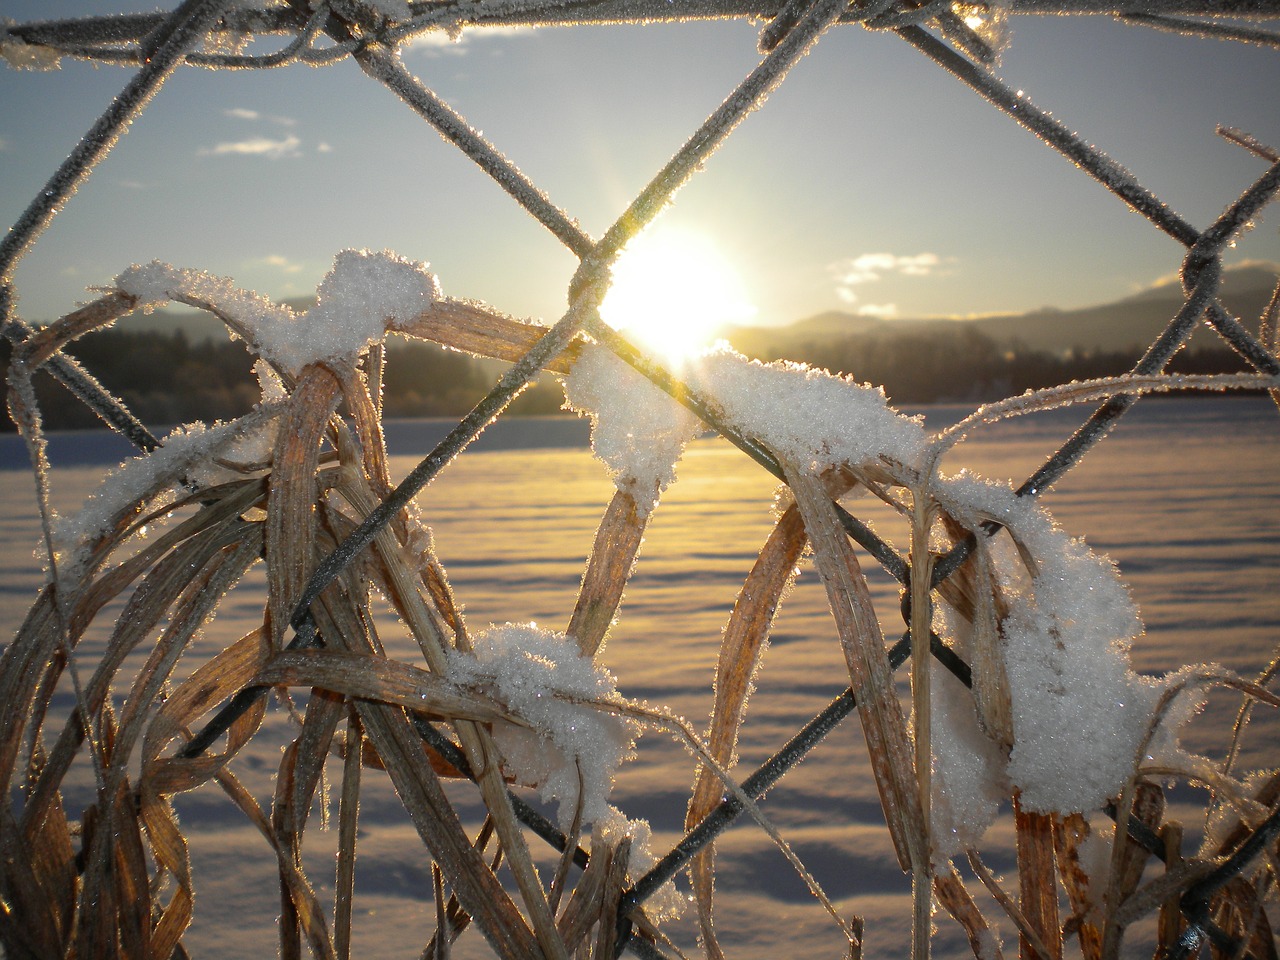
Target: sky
870 182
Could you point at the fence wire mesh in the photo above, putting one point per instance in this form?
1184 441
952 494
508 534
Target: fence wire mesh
369 32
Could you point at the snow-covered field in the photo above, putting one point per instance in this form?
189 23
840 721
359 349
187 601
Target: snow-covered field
1181 497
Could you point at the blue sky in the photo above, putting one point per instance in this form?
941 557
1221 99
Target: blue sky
871 181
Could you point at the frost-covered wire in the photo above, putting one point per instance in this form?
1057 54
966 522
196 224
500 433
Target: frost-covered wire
387 68
1203 28
1097 164
182 30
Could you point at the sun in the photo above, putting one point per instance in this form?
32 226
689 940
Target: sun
673 291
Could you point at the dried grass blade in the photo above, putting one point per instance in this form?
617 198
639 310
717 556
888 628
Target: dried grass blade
974 591
1239 910
24 665
35 920
1038 895
169 848
583 907
410 770
1069 835
288 854
115 904
46 341
1026 931
883 724
201 593
613 557
304 901
1168 886
477 888
1148 809
370 677
615 881
429 630
348 817
220 505
741 648
398 582
481 331
364 414
150 602
211 683
290 502
955 897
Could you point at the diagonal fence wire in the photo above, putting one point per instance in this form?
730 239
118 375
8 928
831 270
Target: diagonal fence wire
162 43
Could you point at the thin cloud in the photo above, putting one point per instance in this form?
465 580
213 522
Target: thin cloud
853 272
244 113
4 144
284 264
256 147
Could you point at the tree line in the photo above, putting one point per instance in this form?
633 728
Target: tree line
167 379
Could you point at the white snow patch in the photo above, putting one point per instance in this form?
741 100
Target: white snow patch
25 56
809 417
359 300
636 429
665 903
967 781
184 454
537 673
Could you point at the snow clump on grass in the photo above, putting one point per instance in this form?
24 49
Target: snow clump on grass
809 417
1079 710
968 781
186 455
359 300
543 679
636 429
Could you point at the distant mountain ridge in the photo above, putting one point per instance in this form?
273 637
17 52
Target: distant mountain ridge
1127 324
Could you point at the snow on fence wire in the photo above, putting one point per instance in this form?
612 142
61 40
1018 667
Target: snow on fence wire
1033 626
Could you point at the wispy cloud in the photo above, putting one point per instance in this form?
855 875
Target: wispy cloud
437 43
4 144
256 147
281 263
244 113
853 272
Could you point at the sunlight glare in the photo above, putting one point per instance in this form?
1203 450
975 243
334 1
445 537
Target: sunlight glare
673 291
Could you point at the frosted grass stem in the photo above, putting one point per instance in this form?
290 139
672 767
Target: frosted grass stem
485 412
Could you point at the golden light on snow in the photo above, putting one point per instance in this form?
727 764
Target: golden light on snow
673 291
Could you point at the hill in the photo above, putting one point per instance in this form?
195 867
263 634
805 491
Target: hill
1128 324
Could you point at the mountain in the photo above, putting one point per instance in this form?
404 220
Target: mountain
1125 325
